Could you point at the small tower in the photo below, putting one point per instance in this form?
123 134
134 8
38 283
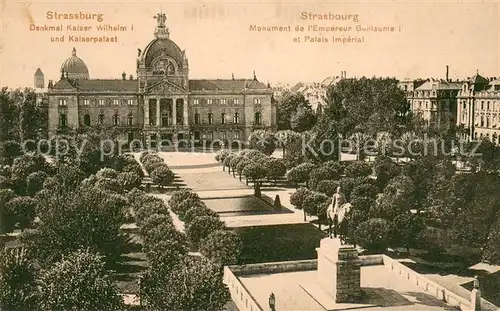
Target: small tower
39 79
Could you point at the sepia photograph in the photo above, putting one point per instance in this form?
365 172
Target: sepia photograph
211 155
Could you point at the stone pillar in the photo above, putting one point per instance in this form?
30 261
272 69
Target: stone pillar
185 111
146 111
339 270
475 296
174 111
158 112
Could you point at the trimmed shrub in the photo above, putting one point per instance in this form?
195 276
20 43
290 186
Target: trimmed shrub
373 234
201 227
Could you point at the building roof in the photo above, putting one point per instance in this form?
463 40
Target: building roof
225 84
38 72
75 67
296 87
440 85
163 46
132 85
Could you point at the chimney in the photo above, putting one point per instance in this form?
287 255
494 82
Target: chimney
124 76
447 73
131 77
345 74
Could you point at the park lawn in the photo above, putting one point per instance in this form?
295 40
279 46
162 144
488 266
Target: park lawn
279 242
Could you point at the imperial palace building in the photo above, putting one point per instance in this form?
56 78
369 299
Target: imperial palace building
162 103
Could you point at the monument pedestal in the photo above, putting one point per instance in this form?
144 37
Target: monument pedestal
339 270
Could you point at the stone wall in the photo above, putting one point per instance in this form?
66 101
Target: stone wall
239 293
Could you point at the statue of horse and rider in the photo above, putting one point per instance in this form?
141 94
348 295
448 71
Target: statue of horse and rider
336 214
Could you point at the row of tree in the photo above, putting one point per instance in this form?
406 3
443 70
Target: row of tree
157 169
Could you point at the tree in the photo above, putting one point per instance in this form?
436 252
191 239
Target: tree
227 163
235 161
491 252
322 173
303 119
70 220
7 218
162 176
373 234
34 182
262 140
254 172
129 180
79 281
106 172
407 230
223 247
358 169
197 211
9 150
201 227
367 190
22 210
396 198
385 169
194 284
328 187
287 107
17 281
300 174
241 166
365 105
314 202
275 168
23 166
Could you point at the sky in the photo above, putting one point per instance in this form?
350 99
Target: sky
218 42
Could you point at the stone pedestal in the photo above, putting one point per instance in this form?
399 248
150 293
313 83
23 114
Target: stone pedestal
475 300
339 270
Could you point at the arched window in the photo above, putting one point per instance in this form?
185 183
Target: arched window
63 120
236 118
101 119
257 118
130 119
223 118
197 118
86 120
116 120
210 118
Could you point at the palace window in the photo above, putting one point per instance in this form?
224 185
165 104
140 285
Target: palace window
482 105
210 118
482 121
223 101
164 120
116 120
236 118
257 118
236 101
116 102
197 118
237 135
86 120
196 101
487 121
63 120
101 102
197 135
223 118
101 119
62 102
488 105
223 135
86 102
130 102
130 119
209 101
256 100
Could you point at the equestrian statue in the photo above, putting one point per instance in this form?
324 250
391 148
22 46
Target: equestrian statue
337 213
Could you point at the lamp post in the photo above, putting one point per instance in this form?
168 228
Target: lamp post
272 302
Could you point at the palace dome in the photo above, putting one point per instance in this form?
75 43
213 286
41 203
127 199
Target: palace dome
163 47
75 67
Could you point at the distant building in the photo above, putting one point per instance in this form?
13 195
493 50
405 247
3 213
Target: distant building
315 92
162 103
478 111
39 79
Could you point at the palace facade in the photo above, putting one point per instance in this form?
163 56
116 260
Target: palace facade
162 103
